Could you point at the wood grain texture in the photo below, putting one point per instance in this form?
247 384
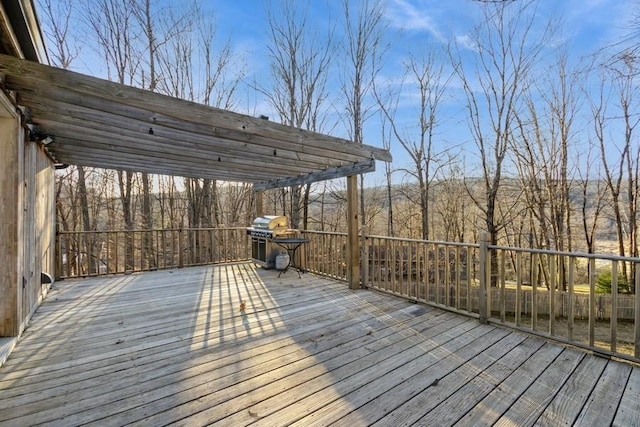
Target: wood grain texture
173 347
628 414
601 406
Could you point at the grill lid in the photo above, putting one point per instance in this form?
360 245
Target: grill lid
270 222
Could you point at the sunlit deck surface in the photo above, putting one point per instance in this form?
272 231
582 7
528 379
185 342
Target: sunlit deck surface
173 347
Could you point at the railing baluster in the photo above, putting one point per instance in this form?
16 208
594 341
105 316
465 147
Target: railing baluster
447 277
552 293
614 306
457 273
570 311
592 301
636 313
410 283
503 284
393 267
518 308
534 292
436 268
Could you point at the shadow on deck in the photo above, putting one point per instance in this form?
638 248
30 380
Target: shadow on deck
174 347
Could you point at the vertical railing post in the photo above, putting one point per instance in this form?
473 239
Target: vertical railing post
485 275
365 261
592 301
180 244
636 314
353 251
613 322
58 255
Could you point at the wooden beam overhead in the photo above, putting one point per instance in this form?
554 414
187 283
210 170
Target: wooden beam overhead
158 138
54 109
331 173
99 123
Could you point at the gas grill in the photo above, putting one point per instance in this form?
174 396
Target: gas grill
263 230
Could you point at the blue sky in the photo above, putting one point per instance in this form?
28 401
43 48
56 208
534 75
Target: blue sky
585 27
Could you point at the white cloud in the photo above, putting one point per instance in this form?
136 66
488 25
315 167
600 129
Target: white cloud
466 42
409 16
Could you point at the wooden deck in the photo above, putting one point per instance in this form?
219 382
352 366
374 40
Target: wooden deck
173 347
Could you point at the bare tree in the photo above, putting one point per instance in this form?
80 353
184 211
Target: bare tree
505 49
426 76
619 151
190 68
300 57
451 204
388 172
158 26
542 156
364 50
63 47
592 197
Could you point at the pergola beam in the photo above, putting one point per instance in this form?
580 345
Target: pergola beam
51 112
323 175
100 123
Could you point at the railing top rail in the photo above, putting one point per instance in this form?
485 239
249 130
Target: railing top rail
433 242
568 254
333 233
398 239
143 230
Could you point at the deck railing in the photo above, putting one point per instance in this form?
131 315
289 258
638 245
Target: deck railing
440 273
325 253
555 294
95 253
549 293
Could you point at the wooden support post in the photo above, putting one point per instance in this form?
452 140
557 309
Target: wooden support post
636 324
259 203
485 275
353 250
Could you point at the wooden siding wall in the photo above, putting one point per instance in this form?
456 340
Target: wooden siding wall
39 228
10 251
27 229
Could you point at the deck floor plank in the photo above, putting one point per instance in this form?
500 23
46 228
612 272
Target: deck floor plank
144 387
432 395
178 312
264 403
356 374
567 403
472 394
601 407
163 352
113 382
529 405
173 347
379 384
628 414
385 394
291 383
